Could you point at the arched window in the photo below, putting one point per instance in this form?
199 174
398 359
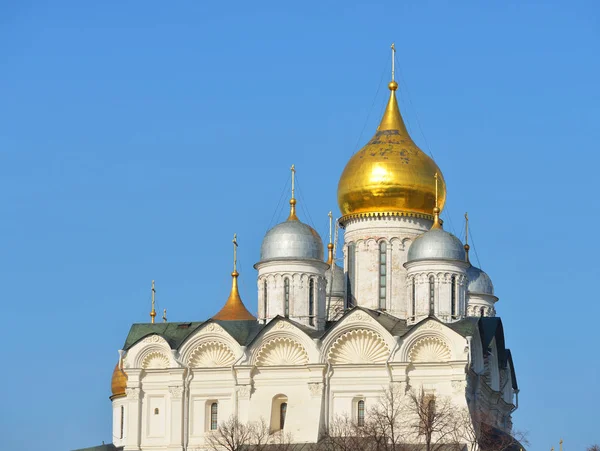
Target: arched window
265 299
360 414
453 297
286 297
282 412
214 416
156 411
481 311
122 421
382 275
431 295
311 302
351 276
414 297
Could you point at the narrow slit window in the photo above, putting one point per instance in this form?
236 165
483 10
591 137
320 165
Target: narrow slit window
214 416
453 297
360 414
431 295
414 298
122 422
382 275
311 302
282 413
286 296
351 276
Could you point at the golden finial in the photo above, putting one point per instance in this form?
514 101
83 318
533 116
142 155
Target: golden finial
436 211
153 311
330 245
164 315
467 247
292 216
234 309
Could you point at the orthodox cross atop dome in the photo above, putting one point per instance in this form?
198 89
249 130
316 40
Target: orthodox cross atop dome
292 216
153 311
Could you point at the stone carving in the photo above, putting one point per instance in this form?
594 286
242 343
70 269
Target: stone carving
315 388
244 391
133 393
359 346
433 325
155 360
151 339
458 386
283 325
211 354
212 327
359 316
281 351
429 349
176 392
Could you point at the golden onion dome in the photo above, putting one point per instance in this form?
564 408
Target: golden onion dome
390 175
118 382
234 309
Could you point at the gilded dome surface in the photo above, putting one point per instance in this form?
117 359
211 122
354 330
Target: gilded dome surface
479 281
118 382
291 239
436 244
390 175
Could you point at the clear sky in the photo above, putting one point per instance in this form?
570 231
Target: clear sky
137 137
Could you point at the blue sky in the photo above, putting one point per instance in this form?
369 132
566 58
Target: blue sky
137 137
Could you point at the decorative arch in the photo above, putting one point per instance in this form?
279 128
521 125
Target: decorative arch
281 351
359 346
206 340
155 359
429 349
211 354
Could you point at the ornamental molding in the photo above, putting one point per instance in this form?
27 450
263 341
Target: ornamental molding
359 346
152 339
212 328
176 391
211 354
315 388
155 360
244 391
432 325
283 325
358 317
429 350
133 393
281 351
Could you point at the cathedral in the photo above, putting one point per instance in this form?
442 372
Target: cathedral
405 309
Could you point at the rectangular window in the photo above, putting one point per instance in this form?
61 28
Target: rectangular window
431 295
286 294
453 297
414 298
311 302
214 416
360 418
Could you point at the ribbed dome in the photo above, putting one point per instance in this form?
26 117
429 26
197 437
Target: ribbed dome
390 175
479 281
118 383
436 244
291 239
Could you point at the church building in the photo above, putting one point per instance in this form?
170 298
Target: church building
405 309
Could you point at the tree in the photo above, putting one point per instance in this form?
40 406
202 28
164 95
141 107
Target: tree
434 420
593 448
233 435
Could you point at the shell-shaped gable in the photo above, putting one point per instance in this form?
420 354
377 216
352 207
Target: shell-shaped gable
281 351
155 360
359 346
211 354
430 349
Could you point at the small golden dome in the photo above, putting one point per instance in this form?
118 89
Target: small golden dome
234 309
118 383
390 175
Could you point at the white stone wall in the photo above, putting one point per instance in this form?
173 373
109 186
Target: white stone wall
299 273
366 234
169 393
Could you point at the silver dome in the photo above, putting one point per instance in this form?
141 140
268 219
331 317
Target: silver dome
479 281
338 279
291 240
436 244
